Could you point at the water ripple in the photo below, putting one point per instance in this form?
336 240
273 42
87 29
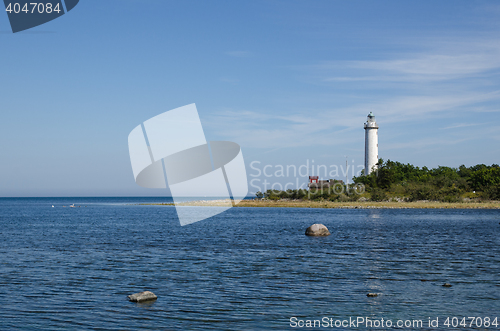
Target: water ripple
248 268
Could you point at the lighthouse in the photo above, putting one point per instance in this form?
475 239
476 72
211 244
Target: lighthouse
371 144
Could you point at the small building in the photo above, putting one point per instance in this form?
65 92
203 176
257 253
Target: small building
313 179
316 183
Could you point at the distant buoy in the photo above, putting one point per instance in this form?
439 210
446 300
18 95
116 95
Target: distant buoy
52 206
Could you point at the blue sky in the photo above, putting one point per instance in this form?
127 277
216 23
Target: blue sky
290 81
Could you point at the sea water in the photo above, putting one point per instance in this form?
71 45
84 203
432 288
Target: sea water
64 268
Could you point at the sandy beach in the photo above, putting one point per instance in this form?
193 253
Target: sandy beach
346 205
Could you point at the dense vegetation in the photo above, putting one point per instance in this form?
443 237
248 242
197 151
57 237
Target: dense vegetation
398 181
442 183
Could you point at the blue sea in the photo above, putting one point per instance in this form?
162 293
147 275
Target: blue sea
67 268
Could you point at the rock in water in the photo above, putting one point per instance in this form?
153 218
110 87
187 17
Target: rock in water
372 295
446 285
142 296
317 230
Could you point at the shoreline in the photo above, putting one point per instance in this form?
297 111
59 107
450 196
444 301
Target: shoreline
370 204
340 205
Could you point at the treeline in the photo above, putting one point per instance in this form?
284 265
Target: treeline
442 183
405 182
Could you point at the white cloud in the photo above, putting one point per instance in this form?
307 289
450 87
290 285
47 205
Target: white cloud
447 61
446 82
331 127
462 125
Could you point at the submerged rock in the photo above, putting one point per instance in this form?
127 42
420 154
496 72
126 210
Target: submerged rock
317 230
142 296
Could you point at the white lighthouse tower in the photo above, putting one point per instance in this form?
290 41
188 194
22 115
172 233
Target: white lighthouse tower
371 144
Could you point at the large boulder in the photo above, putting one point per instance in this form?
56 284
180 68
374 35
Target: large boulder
317 230
142 296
